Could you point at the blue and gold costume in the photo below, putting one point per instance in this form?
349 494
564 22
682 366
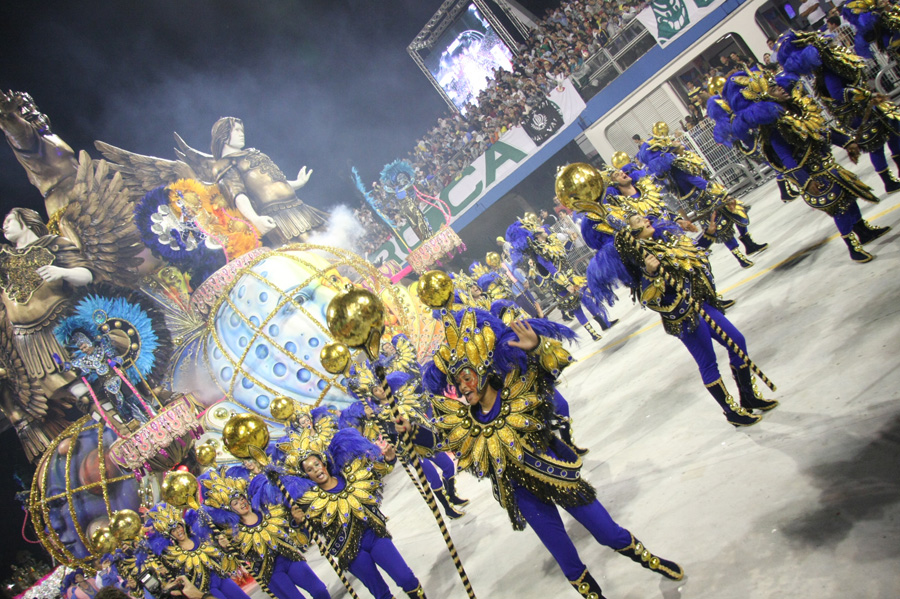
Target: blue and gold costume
205 565
348 516
839 81
875 22
793 136
687 177
273 549
532 471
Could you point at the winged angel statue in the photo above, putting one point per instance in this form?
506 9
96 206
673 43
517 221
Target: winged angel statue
41 269
246 177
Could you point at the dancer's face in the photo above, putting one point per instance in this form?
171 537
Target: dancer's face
467 381
316 470
240 506
641 227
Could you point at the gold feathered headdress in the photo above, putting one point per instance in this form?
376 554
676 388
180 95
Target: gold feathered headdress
166 517
468 345
220 490
307 442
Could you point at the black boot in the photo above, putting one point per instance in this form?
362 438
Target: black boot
605 324
857 253
741 258
450 487
787 193
565 433
866 232
751 246
723 304
594 334
751 398
416 593
640 554
734 413
449 510
587 586
890 183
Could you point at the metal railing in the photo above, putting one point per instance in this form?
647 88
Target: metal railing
613 59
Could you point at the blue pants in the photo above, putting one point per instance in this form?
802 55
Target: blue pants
376 551
699 343
443 461
527 302
846 219
225 588
288 575
545 520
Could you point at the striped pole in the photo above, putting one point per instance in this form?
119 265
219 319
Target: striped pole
424 488
318 540
670 280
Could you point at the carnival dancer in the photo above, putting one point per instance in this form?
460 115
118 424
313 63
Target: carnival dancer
262 536
667 159
175 539
76 586
502 431
839 81
548 267
790 130
876 21
341 501
403 378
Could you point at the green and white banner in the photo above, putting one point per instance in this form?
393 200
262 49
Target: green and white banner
486 171
668 19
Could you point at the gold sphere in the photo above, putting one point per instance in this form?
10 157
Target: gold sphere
661 129
242 431
435 289
714 85
103 540
492 259
206 454
356 317
578 183
335 358
125 525
282 408
180 489
620 159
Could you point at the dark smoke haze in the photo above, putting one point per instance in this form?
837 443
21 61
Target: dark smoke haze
324 83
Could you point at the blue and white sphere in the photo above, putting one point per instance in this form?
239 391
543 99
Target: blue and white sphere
268 327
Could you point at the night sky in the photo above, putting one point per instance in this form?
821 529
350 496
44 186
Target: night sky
324 83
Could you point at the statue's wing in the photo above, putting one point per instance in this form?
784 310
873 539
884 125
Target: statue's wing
201 163
36 420
142 173
103 219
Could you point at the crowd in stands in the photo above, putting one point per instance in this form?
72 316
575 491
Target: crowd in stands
557 48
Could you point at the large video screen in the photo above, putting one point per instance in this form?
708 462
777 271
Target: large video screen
465 56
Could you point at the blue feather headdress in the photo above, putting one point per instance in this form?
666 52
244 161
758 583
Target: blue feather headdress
796 58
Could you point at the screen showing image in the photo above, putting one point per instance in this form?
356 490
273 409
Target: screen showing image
465 56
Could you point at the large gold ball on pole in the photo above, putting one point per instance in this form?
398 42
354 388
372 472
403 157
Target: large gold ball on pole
180 489
356 318
335 357
242 431
125 525
492 259
578 183
714 85
206 454
282 407
661 129
620 159
435 289
103 540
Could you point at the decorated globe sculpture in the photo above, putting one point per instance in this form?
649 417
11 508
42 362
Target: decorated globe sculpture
75 494
266 324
